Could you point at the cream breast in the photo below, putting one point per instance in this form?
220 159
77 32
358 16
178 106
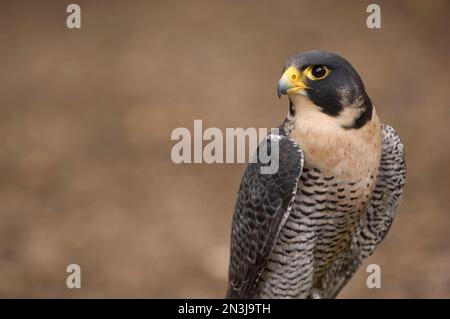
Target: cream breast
349 153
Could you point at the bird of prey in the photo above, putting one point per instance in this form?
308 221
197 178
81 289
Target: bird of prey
303 231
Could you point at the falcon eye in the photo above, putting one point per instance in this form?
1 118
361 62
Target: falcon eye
317 72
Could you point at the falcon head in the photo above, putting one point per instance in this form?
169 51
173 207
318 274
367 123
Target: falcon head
330 83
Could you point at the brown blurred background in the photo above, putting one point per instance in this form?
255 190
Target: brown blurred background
86 116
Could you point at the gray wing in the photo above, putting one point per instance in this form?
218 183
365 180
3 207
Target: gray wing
263 205
381 210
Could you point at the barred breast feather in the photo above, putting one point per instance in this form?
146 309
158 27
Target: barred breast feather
309 226
380 213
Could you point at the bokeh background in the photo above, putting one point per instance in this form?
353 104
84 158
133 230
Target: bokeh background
86 115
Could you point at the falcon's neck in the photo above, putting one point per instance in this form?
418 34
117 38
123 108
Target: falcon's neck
327 142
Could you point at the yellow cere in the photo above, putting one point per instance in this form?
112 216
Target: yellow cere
293 76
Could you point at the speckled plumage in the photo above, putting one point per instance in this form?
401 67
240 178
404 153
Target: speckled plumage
322 239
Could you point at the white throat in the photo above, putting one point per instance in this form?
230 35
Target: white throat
307 114
328 144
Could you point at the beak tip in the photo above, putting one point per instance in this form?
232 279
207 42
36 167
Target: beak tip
280 91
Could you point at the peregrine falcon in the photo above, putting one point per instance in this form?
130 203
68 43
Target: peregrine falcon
303 231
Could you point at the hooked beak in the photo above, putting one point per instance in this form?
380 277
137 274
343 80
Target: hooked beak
290 82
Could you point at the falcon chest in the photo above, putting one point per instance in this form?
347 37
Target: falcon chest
341 167
340 171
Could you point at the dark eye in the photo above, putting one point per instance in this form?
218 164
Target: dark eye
319 71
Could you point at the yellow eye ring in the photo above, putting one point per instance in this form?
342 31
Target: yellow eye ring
317 72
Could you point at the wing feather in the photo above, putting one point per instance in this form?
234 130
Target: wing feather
262 207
